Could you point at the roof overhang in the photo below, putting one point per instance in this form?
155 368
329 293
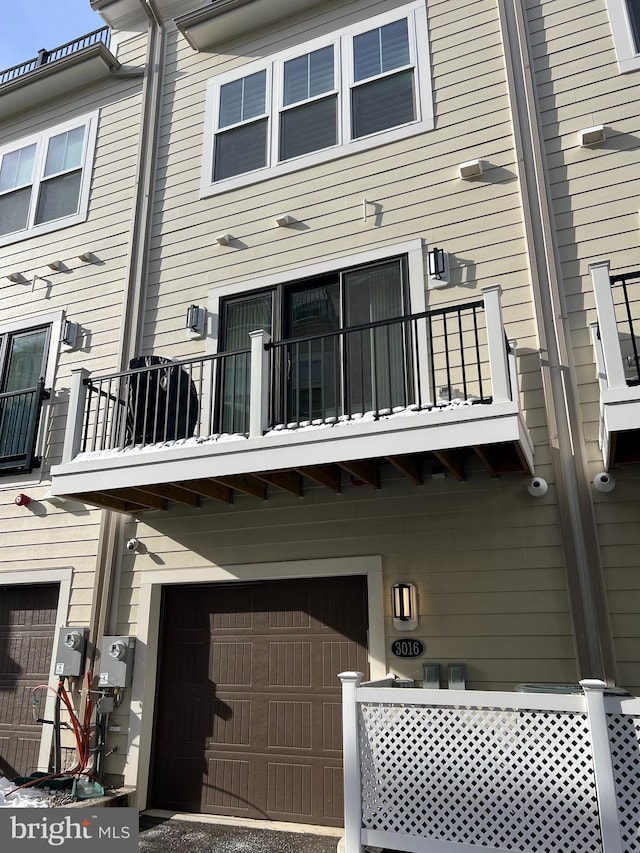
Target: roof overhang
50 81
226 19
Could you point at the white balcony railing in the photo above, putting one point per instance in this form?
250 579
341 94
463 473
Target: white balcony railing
471 771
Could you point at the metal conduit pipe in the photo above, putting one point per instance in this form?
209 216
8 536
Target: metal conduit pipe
592 634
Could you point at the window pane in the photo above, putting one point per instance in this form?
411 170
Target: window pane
64 151
59 197
308 76
634 17
308 128
14 210
381 50
387 102
243 99
17 168
240 150
26 360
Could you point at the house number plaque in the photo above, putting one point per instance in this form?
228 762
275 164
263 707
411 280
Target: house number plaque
407 648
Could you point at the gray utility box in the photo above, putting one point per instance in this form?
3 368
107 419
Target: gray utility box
72 643
116 661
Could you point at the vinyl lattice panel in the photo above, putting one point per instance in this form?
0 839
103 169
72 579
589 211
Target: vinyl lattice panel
515 780
624 737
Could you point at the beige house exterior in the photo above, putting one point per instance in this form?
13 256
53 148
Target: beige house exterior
451 429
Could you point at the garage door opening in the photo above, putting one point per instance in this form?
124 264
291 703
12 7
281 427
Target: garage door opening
248 704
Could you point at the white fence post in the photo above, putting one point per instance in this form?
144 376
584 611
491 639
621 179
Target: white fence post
611 351
351 763
75 414
603 766
497 345
259 388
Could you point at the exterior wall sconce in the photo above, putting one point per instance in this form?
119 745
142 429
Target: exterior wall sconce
55 265
438 268
604 482
404 606
86 257
69 335
223 239
196 321
591 136
284 220
471 169
15 277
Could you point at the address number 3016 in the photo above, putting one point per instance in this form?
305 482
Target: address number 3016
407 648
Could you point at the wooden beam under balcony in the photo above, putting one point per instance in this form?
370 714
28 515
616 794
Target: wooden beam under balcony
245 483
324 475
367 472
208 489
288 481
409 465
453 461
173 492
107 501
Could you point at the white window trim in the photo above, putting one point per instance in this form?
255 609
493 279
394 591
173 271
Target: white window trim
90 122
628 57
419 43
413 249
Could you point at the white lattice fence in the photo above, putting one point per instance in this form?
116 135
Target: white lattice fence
464 770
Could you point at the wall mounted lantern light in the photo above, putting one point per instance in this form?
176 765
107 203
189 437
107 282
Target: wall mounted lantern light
438 267
196 321
69 335
404 606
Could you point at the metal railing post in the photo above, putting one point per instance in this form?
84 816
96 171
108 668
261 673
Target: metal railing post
75 414
602 766
607 325
351 763
259 387
496 342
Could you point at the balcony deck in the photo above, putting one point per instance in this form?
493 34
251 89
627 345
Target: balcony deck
457 397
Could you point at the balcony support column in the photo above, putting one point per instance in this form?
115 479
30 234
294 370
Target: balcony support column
259 388
75 414
609 339
497 345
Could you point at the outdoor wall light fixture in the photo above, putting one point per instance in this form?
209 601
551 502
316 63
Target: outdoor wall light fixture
69 334
470 169
196 321
438 267
404 606
86 257
15 277
223 239
604 482
55 265
592 136
284 220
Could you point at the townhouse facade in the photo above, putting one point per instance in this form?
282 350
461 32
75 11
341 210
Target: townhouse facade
355 380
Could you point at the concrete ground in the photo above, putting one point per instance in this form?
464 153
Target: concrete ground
168 833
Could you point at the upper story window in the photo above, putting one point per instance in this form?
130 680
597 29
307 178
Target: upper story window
625 26
44 179
352 90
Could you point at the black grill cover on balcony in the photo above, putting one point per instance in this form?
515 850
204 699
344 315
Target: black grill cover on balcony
162 403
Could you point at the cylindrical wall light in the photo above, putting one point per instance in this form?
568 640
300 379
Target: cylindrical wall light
404 606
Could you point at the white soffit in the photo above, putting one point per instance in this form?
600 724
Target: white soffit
57 78
227 19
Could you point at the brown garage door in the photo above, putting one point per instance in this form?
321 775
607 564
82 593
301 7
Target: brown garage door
248 705
27 629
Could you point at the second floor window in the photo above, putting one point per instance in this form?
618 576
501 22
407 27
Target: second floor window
44 180
352 90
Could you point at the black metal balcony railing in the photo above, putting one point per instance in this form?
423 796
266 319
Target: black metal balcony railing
19 420
44 57
417 361
625 290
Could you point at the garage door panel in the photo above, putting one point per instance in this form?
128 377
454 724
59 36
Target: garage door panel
272 746
27 628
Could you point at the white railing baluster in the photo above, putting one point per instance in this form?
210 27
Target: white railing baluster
497 345
75 414
602 766
259 393
351 763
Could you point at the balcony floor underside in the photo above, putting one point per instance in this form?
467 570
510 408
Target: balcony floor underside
500 458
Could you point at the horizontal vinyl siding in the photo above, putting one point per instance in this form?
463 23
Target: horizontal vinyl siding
595 195
44 536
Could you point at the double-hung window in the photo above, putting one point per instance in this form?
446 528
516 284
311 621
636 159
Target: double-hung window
352 90
625 26
44 179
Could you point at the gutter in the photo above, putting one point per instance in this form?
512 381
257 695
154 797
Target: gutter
587 596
